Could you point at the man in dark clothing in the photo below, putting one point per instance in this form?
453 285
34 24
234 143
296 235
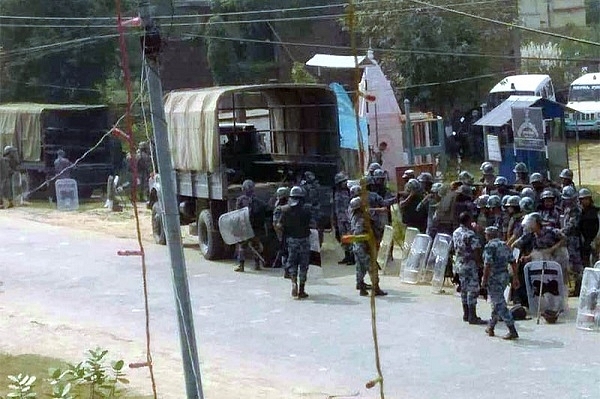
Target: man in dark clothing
588 225
256 208
408 207
62 166
295 226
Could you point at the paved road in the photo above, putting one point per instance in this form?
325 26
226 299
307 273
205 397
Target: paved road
256 342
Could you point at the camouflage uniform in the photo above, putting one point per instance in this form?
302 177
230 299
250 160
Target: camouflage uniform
550 217
341 200
298 257
144 167
277 212
312 199
498 255
379 218
572 217
465 242
294 223
429 203
361 249
255 207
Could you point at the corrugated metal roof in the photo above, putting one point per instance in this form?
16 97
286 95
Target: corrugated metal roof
501 115
337 61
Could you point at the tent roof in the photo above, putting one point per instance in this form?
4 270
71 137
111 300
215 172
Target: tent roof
35 108
501 115
338 61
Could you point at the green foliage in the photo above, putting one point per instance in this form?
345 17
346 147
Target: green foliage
427 44
90 379
49 64
21 386
301 75
221 53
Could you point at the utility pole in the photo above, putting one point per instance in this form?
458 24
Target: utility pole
187 334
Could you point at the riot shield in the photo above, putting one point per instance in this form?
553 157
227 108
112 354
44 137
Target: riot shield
437 261
414 264
235 226
588 311
67 197
545 278
597 265
409 236
385 247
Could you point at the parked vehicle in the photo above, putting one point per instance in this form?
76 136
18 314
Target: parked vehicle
521 85
584 97
39 131
220 136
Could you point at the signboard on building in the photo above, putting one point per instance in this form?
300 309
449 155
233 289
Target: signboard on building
493 147
528 128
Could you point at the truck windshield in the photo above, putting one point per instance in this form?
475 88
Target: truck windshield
579 93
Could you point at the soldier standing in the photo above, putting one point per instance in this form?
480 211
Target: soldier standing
548 212
589 225
467 261
408 207
144 167
570 228
10 166
496 255
295 227
488 176
341 200
566 178
361 249
282 195
521 176
430 203
256 208
62 166
311 187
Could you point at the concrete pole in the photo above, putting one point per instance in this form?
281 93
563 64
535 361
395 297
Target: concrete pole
168 198
409 134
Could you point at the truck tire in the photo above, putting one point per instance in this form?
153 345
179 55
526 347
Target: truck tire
158 228
209 238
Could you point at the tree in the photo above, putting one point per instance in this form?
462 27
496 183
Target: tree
54 61
426 49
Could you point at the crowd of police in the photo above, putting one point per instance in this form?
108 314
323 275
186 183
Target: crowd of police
487 220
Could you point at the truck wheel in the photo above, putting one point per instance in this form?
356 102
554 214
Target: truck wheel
158 229
208 237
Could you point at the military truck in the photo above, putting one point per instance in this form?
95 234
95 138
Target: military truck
38 131
220 136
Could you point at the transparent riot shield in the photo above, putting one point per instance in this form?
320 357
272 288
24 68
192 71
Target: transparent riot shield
67 197
588 311
235 226
597 265
385 247
545 287
437 261
414 264
409 237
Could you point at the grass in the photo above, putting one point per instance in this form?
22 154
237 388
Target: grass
37 366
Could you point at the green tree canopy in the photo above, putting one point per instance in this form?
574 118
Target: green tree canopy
51 58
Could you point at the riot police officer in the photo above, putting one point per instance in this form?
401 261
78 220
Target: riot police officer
295 226
256 208
281 195
588 225
341 200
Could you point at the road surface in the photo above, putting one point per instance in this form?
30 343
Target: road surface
66 291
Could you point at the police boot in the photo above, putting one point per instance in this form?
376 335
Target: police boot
346 258
301 293
257 264
286 273
351 260
240 267
294 286
465 312
512 333
10 204
577 288
473 318
490 328
363 289
378 291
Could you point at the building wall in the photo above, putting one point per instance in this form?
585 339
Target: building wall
544 14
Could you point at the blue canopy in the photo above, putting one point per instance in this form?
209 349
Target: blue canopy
347 120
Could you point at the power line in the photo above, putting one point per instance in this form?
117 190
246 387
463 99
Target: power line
384 50
224 22
507 24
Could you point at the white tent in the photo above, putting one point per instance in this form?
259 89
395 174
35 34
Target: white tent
383 116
